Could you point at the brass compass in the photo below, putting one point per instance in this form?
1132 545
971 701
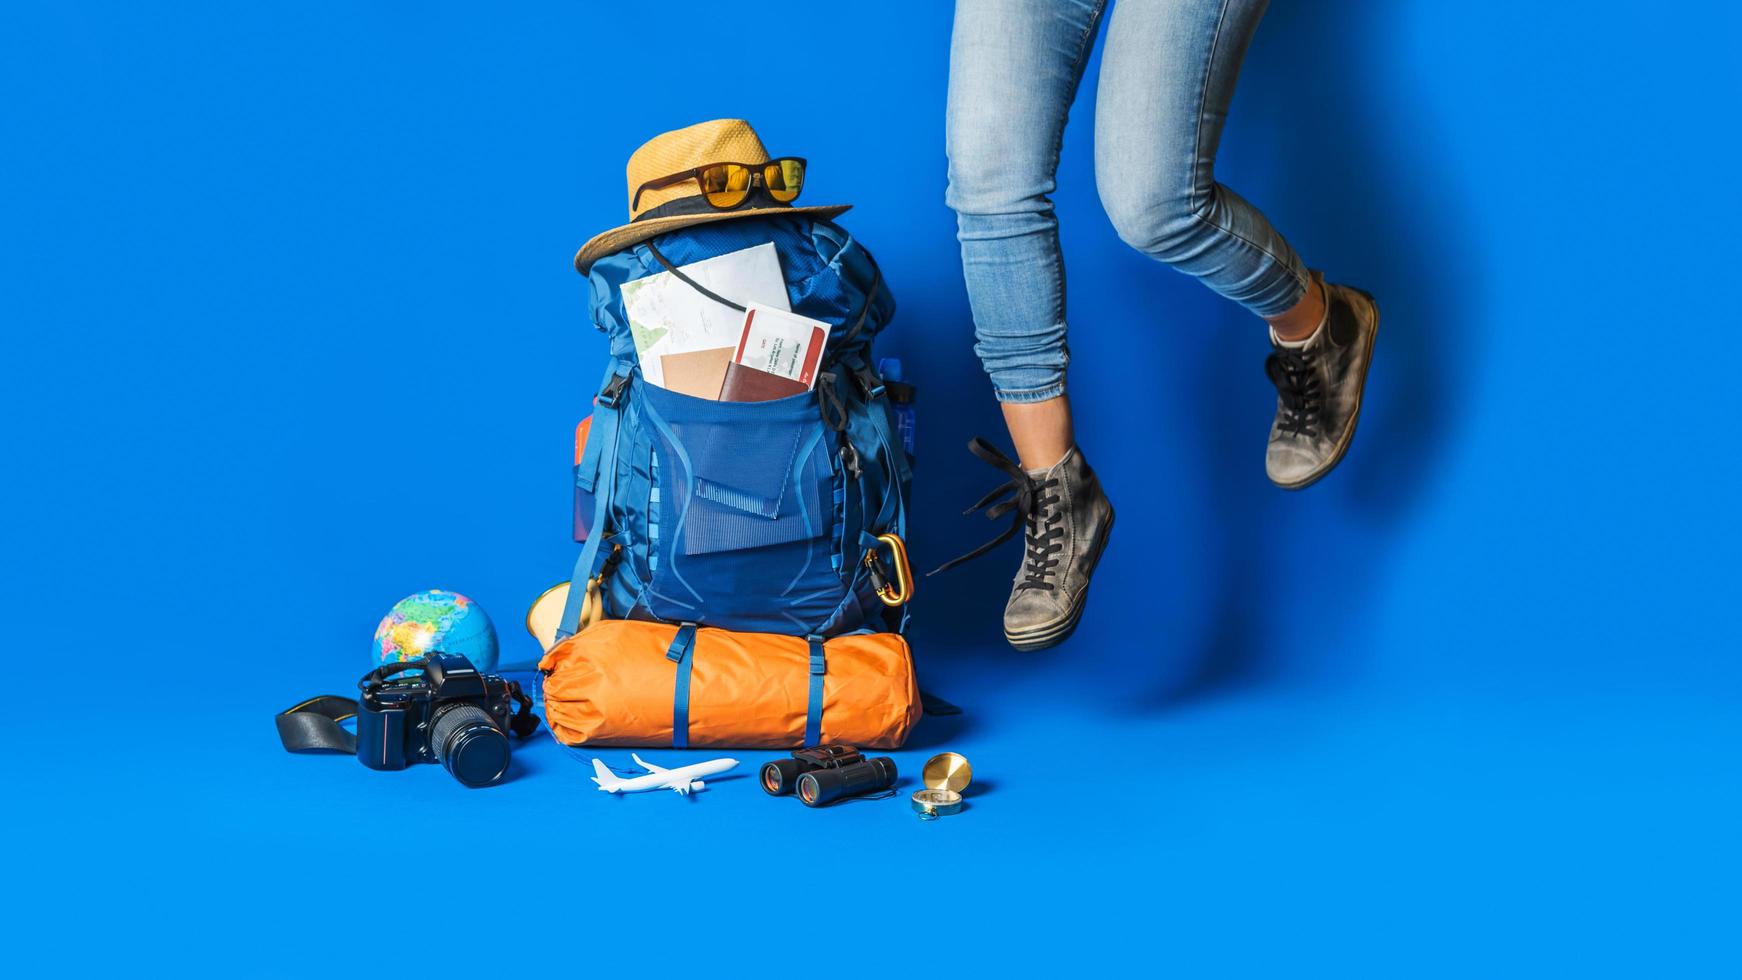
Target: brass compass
945 776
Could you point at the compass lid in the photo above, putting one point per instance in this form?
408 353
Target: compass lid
947 770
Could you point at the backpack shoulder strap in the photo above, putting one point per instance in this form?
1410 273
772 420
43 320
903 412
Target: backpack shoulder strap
597 474
872 390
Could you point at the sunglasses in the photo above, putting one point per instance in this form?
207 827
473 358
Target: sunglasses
727 185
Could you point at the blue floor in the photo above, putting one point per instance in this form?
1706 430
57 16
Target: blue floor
290 332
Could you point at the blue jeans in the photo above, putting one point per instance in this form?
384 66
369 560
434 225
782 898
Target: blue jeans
1167 76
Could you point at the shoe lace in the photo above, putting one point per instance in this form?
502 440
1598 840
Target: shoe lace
1046 536
1296 377
1032 505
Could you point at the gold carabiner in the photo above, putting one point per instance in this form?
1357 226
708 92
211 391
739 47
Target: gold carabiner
903 587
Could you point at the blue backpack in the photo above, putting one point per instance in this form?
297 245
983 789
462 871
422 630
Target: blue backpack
769 517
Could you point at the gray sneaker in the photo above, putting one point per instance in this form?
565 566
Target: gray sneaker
1318 390
1067 521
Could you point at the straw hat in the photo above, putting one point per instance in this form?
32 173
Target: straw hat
681 205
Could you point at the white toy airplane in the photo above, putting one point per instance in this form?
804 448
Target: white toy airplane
683 781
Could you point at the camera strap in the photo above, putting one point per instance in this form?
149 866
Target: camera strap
524 722
313 726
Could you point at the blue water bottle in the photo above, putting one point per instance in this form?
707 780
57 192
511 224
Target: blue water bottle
900 400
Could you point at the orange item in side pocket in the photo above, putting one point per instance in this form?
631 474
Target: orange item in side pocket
583 499
581 430
617 682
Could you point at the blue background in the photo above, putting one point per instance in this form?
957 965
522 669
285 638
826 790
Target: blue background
290 331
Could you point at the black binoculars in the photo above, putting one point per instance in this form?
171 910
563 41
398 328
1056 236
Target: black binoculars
827 773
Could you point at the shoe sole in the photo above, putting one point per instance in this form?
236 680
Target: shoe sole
1354 419
1052 636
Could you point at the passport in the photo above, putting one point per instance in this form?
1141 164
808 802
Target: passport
747 384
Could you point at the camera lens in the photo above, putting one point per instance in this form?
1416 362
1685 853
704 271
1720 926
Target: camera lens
471 748
778 776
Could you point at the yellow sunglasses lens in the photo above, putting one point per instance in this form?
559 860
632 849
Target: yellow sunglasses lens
726 185
784 179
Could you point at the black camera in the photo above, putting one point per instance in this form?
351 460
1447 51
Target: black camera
827 773
452 714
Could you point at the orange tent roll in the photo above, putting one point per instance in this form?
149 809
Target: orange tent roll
620 682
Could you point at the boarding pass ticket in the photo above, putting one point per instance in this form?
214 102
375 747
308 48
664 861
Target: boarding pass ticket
782 343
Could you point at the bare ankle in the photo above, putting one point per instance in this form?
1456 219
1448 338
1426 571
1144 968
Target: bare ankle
1042 431
1299 321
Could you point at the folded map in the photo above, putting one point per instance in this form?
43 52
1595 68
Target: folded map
668 316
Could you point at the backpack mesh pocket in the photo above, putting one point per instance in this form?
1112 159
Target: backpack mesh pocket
739 475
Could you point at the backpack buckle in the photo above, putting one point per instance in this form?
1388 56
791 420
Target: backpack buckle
611 395
870 385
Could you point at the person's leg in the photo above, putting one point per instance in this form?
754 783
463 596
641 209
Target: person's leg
1014 70
1167 79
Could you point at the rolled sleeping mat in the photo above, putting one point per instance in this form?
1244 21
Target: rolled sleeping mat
637 683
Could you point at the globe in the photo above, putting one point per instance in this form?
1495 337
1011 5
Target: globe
436 620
